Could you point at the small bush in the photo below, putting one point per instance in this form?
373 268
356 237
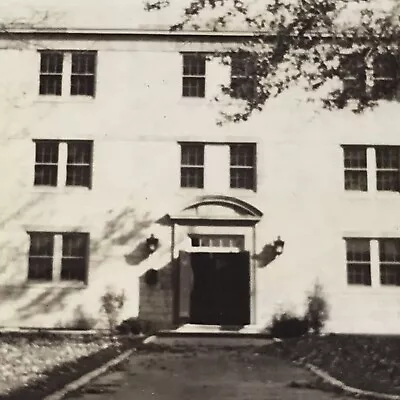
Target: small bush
287 325
134 326
317 311
112 304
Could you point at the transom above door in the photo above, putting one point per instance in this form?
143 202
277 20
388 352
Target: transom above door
217 242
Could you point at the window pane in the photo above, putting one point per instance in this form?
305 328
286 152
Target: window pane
41 244
242 155
46 152
355 157
242 178
73 269
387 157
359 274
50 85
51 62
46 175
83 62
82 85
390 274
358 250
193 87
389 250
192 154
74 245
385 66
355 180
387 180
354 76
194 64
40 268
192 177
242 88
79 152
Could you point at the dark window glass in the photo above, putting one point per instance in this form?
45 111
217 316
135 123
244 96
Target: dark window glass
192 165
242 166
79 163
46 163
355 168
51 69
41 252
358 262
74 257
194 75
387 164
83 73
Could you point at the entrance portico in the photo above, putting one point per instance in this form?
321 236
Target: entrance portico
213 240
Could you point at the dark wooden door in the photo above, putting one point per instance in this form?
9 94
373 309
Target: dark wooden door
221 289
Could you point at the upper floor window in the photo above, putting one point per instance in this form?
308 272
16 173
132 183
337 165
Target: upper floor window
383 74
358 262
242 165
192 165
389 261
372 168
63 162
194 75
72 72
58 256
242 72
218 166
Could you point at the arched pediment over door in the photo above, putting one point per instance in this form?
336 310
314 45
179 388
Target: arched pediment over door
217 209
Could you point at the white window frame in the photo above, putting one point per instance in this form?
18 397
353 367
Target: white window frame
372 168
66 74
63 164
57 258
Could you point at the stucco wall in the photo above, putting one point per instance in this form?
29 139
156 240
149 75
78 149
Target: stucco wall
136 121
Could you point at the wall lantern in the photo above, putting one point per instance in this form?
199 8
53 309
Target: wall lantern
278 246
151 277
152 243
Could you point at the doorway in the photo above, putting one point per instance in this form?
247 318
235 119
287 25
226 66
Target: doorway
220 292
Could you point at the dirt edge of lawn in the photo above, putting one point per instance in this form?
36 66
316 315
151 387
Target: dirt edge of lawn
60 376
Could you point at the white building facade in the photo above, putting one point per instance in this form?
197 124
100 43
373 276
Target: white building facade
110 136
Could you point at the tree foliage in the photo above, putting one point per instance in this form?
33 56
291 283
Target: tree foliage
303 42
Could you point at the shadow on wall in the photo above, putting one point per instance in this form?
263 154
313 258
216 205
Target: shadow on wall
266 256
157 296
29 300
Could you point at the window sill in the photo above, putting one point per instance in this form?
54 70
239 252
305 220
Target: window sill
53 284
61 189
65 99
371 195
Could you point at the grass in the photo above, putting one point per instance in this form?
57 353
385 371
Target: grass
362 361
34 365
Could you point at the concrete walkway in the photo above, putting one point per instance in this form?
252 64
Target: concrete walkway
212 374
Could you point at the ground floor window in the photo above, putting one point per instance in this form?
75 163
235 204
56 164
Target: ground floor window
361 257
58 256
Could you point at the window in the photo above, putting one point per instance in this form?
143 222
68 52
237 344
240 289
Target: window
49 250
41 257
51 69
231 241
355 168
83 73
387 168
242 166
63 161
389 261
218 166
242 77
73 262
79 162
192 165
385 71
372 168
80 81
46 163
194 75
354 74
358 262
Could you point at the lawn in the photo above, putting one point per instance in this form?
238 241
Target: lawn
366 362
36 364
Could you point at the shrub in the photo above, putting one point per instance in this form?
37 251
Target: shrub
135 326
111 304
287 325
317 311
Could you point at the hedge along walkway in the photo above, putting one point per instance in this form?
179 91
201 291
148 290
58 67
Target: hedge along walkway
202 373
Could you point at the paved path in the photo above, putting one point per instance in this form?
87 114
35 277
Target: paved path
208 374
